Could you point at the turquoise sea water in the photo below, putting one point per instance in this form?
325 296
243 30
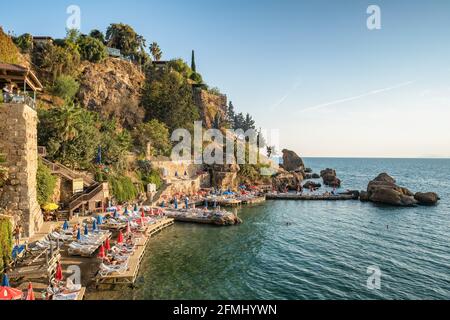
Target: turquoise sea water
323 254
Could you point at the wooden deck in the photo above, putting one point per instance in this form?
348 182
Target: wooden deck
307 197
134 264
254 200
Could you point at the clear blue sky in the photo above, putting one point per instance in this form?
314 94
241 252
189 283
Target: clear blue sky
311 69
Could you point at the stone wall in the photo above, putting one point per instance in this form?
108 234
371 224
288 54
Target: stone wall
18 142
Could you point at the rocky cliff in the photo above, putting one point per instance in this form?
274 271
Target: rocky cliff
210 105
113 88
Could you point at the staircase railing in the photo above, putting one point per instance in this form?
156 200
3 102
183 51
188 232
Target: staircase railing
74 204
68 173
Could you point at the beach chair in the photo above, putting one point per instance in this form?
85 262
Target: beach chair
106 270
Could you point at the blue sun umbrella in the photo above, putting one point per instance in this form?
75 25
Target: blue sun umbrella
162 204
215 204
99 220
175 202
66 225
94 225
126 211
116 214
136 209
186 201
79 234
86 231
206 204
5 280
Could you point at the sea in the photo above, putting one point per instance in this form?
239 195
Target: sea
308 250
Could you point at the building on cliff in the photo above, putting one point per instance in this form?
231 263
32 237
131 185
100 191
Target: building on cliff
18 144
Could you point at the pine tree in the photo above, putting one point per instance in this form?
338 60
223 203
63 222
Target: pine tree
231 115
193 66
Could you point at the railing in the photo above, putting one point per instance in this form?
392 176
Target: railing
19 99
85 197
68 173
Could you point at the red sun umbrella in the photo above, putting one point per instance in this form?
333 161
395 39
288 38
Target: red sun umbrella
59 274
107 244
8 293
143 213
128 228
142 221
30 293
120 238
101 253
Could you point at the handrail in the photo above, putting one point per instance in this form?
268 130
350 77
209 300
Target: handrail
85 197
60 168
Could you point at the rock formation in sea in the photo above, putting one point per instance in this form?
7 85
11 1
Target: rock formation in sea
330 179
292 162
312 184
383 189
286 180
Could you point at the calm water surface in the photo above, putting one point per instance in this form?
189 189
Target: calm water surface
323 254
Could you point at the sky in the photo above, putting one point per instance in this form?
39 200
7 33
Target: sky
310 69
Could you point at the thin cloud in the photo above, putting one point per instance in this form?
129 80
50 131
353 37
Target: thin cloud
367 94
283 98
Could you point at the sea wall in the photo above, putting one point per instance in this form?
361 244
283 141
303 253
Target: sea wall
18 143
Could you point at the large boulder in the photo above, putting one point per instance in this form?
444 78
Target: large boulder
383 189
292 162
329 178
311 184
427 199
289 180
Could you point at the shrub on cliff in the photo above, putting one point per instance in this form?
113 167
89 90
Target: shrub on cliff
168 98
8 50
92 50
123 188
5 242
65 87
154 133
115 144
123 37
46 183
148 174
24 42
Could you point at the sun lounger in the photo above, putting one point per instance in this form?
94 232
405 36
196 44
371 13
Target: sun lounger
106 270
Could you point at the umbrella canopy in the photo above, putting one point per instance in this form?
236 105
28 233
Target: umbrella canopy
86 231
30 293
126 211
101 253
186 202
107 244
175 202
206 204
59 274
215 204
120 238
66 225
116 214
99 220
7 293
5 281
79 234
94 225
136 209
162 204
143 213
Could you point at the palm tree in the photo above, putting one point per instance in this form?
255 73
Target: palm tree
68 122
156 52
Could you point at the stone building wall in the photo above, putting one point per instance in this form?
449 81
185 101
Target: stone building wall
18 143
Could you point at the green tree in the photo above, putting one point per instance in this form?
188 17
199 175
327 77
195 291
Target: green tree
156 52
65 87
154 133
70 134
46 183
239 121
92 49
115 144
193 66
249 123
181 67
123 37
97 34
196 77
231 115
24 42
168 98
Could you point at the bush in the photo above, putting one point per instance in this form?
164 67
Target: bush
149 175
46 183
157 134
8 50
196 77
5 242
65 87
24 42
92 50
123 188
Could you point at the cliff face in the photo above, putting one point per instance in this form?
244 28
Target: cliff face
210 105
113 88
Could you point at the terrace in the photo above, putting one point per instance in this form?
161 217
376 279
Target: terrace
19 85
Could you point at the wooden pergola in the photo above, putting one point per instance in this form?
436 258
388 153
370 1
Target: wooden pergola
23 78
